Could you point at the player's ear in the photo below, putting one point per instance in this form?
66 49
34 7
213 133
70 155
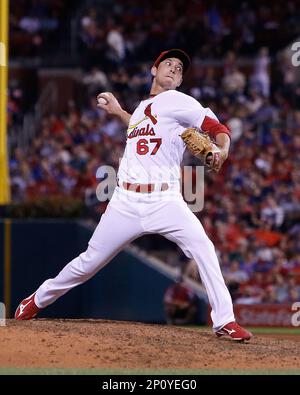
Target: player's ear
153 71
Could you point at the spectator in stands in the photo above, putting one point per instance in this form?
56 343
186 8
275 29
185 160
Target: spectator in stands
95 81
234 82
180 304
116 43
270 295
293 295
260 79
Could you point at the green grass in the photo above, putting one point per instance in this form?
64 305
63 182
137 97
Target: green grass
261 330
275 331
48 371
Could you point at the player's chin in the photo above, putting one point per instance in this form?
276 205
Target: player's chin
169 83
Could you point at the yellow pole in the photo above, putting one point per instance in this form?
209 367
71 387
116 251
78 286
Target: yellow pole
7 266
4 174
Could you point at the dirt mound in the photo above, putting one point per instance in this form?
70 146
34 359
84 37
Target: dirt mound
114 344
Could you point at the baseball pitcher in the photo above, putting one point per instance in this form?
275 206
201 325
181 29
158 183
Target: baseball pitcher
147 198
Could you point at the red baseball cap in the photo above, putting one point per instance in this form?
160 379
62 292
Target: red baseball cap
175 53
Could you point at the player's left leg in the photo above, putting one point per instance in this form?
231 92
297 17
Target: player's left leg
175 221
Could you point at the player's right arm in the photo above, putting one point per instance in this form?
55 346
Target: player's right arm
112 106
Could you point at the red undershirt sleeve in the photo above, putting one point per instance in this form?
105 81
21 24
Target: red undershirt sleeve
213 127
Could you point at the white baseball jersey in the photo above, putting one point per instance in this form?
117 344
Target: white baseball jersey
154 148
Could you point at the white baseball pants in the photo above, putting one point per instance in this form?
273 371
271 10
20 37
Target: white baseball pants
130 215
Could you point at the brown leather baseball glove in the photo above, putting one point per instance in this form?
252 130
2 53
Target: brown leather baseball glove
203 147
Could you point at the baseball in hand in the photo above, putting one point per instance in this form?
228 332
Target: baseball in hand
101 100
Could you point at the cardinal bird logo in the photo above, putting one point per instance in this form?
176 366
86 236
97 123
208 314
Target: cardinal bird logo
148 114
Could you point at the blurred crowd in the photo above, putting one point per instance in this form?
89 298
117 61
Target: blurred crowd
37 27
111 32
207 29
254 217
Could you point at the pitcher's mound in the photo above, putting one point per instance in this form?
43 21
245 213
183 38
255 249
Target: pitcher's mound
113 344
